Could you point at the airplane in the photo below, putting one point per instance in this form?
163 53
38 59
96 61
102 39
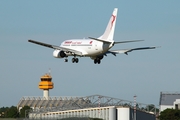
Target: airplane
95 48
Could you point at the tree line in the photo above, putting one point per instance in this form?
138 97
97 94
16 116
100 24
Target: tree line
12 112
170 114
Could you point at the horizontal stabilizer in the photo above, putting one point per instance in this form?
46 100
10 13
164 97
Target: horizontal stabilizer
128 41
125 51
105 41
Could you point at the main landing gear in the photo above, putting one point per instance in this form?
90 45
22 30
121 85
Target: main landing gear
97 61
74 60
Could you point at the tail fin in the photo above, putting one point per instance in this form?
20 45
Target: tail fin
109 32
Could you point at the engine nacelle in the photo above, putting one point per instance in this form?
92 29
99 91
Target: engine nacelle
59 54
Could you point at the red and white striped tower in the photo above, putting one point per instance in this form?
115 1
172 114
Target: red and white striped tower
135 107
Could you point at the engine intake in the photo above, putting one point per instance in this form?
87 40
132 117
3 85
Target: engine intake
62 54
59 54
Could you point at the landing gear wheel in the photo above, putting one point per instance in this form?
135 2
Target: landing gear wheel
65 60
95 61
99 61
75 60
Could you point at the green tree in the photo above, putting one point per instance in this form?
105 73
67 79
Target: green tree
3 111
151 108
12 112
170 114
24 111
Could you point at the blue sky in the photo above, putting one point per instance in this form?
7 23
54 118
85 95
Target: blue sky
144 73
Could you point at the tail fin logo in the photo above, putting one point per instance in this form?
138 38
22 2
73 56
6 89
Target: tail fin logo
113 19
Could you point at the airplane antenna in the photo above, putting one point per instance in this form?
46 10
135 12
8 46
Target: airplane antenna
49 71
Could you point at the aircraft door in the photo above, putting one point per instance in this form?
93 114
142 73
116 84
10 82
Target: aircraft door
95 45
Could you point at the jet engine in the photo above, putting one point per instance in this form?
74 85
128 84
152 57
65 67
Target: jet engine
59 54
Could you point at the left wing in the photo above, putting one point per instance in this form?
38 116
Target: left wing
125 51
57 47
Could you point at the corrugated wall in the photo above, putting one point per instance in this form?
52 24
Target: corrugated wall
106 113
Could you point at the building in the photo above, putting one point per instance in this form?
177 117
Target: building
169 100
105 113
95 106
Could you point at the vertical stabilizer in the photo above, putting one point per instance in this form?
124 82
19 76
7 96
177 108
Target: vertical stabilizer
109 32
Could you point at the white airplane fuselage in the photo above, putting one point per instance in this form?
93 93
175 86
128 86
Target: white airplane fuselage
88 47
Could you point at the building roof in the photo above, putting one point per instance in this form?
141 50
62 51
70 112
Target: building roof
167 98
70 103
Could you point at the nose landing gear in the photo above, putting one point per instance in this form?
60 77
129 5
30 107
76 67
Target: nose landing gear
66 60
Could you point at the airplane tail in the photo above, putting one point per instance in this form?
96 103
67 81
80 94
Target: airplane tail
109 32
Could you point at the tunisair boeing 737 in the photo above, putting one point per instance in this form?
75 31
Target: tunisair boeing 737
95 48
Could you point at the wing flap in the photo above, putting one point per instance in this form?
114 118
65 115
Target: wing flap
75 52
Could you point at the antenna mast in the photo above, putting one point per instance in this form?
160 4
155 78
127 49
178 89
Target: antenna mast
49 71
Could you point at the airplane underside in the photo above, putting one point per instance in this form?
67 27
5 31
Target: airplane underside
94 56
97 59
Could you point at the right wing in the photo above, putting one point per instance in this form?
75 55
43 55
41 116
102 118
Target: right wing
125 51
57 47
